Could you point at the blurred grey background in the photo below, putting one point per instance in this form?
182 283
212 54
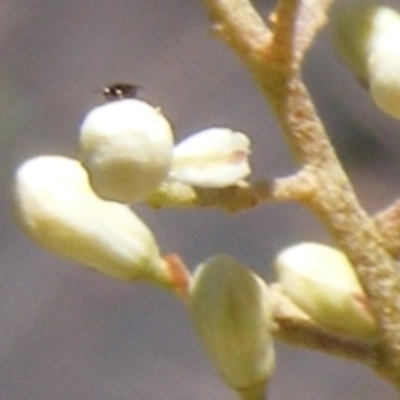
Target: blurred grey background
69 334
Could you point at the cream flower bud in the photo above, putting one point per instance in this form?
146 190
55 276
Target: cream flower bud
213 158
384 61
59 210
231 312
126 146
367 36
321 281
351 27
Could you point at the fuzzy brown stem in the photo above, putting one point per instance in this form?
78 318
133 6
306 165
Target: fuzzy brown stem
275 66
388 224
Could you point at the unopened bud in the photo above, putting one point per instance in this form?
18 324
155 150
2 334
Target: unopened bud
367 36
59 210
384 61
231 311
321 281
352 29
213 158
126 146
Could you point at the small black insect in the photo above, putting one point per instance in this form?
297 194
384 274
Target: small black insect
119 91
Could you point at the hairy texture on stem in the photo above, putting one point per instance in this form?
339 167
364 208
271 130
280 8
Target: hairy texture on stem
388 223
296 23
245 27
274 63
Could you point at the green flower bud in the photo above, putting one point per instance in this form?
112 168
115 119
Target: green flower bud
58 209
321 281
231 311
126 146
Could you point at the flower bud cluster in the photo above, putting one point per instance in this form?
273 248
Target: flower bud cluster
78 209
128 150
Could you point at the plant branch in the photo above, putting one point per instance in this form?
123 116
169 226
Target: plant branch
388 224
231 199
275 66
246 29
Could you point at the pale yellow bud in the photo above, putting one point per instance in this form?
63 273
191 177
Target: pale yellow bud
367 35
352 23
126 146
384 61
59 210
321 281
231 311
213 158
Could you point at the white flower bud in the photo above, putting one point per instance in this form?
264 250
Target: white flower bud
321 281
367 36
352 25
231 311
384 61
126 146
213 158
59 210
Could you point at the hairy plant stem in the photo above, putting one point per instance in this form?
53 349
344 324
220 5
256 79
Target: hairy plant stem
273 59
388 223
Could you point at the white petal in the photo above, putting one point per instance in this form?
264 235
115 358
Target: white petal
231 312
59 210
213 158
126 146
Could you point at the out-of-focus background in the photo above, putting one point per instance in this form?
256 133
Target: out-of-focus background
67 333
